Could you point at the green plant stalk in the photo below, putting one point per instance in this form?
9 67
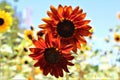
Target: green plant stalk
67 76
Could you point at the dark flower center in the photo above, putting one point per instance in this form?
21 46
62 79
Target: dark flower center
52 55
31 27
117 38
65 28
26 62
25 49
30 36
1 21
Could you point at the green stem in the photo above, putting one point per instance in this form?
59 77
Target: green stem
1 57
67 76
33 74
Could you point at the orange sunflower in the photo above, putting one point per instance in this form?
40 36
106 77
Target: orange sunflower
68 24
117 37
51 56
118 15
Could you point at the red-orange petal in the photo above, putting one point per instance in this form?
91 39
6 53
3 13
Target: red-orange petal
75 10
86 27
64 10
73 42
41 63
60 71
54 10
82 40
70 64
56 43
52 16
67 49
79 12
47 20
78 44
43 26
60 10
67 11
84 32
54 71
81 23
46 69
79 17
37 64
49 39
65 68
35 57
57 70
36 51
68 56
39 44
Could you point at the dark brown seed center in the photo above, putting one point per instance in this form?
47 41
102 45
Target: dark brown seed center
117 38
1 21
65 28
51 55
30 36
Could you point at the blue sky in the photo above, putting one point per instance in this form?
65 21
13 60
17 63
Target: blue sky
103 14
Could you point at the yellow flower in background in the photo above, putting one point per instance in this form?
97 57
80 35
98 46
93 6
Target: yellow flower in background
30 77
37 70
104 79
85 47
117 37
26 60
85 55
5 20
18 67
118 15
29 35
92 30
107 39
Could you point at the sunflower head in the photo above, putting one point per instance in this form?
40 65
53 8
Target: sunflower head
29 35
51 57
118 15
5 20
117 37
26 60
67 23
18 67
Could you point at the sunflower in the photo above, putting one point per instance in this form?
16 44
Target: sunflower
68 24
118 15
28 35
50 56
5 20
30 77
117 37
